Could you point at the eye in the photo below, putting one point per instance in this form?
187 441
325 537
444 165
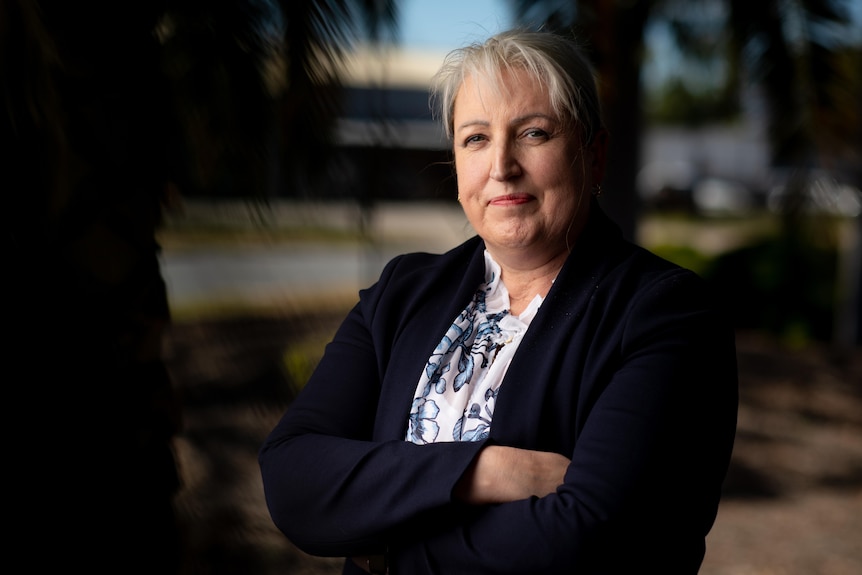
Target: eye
473 140
535 134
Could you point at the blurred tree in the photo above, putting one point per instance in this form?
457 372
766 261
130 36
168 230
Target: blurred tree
110 109
85 131
790 48
613 35
674 102
796 51
257 84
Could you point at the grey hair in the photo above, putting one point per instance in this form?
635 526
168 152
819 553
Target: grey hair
555 61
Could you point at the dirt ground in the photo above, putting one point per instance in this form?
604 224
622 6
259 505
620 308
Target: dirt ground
793 497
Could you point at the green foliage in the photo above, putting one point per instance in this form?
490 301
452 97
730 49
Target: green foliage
779 279
685 256
779 285
676 103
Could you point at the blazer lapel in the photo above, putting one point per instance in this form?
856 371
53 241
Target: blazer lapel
422 331
547 348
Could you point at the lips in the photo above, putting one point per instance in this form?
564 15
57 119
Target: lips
511 200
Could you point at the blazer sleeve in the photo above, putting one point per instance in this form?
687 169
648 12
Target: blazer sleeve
655 417
643 486
330 488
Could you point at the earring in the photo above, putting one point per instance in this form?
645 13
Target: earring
597 190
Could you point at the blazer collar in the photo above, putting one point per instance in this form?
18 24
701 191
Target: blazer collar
599 248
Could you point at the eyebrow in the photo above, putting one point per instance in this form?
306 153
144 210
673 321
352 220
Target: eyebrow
516 121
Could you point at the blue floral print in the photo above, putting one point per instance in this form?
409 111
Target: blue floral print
452 404
423 427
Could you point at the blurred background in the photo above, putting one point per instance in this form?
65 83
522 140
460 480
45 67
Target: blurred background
197 189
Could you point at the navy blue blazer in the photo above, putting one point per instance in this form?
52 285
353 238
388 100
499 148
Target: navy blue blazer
628 368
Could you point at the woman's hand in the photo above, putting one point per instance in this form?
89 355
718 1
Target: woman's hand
502 474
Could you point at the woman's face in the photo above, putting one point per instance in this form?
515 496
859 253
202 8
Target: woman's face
523 180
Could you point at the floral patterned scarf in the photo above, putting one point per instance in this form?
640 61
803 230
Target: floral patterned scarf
457 391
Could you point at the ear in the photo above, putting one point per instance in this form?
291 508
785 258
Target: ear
599 154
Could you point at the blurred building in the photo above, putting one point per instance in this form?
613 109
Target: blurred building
388 140
390 147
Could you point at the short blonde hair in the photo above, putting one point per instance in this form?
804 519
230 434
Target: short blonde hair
557 62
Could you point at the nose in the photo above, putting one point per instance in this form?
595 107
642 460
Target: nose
504 163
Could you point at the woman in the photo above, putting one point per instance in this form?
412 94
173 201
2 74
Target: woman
545 397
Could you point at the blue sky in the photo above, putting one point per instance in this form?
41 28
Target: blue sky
442 25
448 24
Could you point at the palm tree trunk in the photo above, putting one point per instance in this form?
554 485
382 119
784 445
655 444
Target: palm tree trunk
92 403
616 36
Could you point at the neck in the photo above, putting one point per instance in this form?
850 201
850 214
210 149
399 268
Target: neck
523 284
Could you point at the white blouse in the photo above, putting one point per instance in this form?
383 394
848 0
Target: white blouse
457 391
